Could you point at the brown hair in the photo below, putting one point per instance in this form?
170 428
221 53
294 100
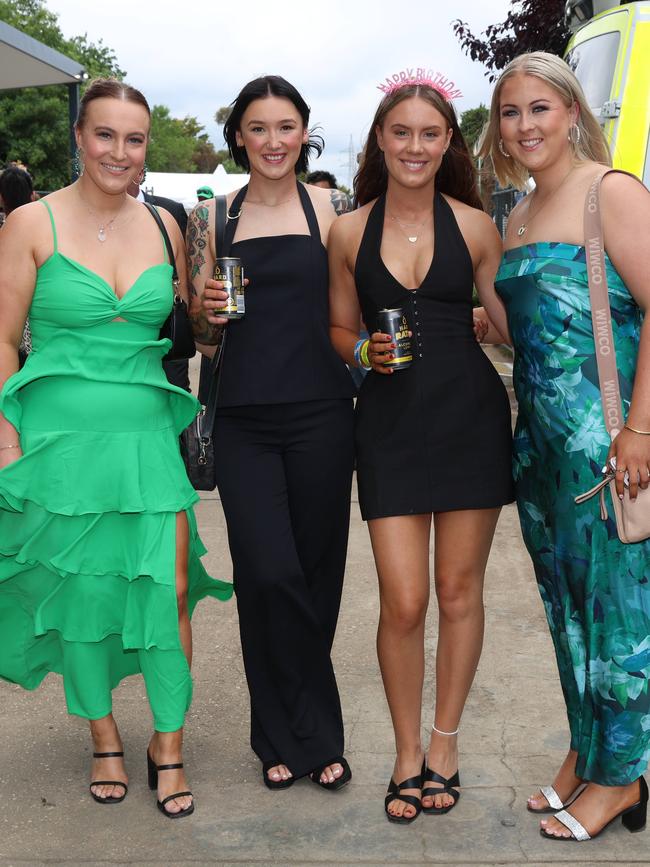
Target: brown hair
552 70
456 176
113 88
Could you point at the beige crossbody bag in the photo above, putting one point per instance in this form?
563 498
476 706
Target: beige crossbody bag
632 516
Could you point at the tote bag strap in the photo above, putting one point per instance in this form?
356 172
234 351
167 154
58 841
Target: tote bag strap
601 315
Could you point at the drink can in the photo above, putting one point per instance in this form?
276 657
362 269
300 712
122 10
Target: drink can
395 323
231 273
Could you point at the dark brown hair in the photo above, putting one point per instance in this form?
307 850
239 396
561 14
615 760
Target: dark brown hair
456 176
261 88
113 88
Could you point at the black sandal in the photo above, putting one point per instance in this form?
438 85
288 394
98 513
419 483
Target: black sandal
394 794
447 789
275 784
111 799
338 782
152 776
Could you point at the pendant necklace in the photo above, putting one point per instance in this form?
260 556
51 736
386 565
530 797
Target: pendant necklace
521 231
410 236
104 228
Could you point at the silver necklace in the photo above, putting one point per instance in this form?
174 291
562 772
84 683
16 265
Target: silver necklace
521 231
412 237
104 228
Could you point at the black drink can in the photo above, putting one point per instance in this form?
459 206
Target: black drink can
395 323
231 273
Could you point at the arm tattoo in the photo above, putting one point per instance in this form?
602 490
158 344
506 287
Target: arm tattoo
197 244
340 202
197 240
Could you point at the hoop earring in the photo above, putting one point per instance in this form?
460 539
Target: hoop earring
574 135
502 150
145 169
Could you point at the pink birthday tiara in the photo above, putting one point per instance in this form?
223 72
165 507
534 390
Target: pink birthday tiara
419 75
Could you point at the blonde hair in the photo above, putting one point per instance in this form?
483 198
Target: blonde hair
552 70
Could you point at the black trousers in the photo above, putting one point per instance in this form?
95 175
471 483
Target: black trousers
284 478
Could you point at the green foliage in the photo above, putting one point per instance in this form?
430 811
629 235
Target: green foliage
222 114
471 124
34 125
170 147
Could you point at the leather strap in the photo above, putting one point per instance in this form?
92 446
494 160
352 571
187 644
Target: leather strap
108 756
176 766
168 244
175 795
601 315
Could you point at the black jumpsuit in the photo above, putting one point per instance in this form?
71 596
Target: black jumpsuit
284 430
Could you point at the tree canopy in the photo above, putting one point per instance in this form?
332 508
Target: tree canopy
531 25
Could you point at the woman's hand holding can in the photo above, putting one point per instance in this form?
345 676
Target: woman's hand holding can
214 298
380 351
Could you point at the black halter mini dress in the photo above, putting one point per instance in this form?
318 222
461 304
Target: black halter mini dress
436 436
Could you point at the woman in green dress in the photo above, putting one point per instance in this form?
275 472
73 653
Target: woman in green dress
595 589
100 563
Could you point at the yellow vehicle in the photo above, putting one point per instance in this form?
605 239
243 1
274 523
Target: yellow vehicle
610 55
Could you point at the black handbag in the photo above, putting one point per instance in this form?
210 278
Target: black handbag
177 326
197 440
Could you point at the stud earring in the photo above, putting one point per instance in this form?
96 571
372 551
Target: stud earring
502 150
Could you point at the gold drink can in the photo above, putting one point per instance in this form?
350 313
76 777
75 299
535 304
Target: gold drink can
230 271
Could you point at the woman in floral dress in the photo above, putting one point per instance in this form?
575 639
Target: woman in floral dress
595 589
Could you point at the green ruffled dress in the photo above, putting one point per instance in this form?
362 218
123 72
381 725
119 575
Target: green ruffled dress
88 513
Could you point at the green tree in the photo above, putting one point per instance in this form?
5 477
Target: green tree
222 114
170 146
34 121
471 124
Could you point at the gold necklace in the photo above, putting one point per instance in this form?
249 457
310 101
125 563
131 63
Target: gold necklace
412 237
104 227
521 231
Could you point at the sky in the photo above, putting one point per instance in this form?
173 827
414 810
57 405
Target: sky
195 58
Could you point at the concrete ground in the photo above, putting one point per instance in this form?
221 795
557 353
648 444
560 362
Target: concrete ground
513 737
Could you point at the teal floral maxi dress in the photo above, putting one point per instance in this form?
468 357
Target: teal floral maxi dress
595 589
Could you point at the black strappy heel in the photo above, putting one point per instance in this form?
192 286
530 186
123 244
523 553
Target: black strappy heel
152 775
336 783
447 789
394 794
111 799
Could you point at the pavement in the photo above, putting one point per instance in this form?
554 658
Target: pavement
513 736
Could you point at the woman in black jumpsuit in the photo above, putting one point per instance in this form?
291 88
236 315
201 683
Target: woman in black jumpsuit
284 430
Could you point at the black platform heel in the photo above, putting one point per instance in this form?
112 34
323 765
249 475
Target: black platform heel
111 799
152 774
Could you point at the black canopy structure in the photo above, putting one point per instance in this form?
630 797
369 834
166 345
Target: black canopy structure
26 62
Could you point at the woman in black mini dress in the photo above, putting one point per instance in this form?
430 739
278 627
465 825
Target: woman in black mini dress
433 440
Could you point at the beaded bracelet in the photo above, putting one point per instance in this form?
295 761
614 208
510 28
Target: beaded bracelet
361 354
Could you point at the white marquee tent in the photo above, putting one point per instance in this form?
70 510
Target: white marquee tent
182 186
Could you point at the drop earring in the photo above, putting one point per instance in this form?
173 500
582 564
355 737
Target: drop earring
77 164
